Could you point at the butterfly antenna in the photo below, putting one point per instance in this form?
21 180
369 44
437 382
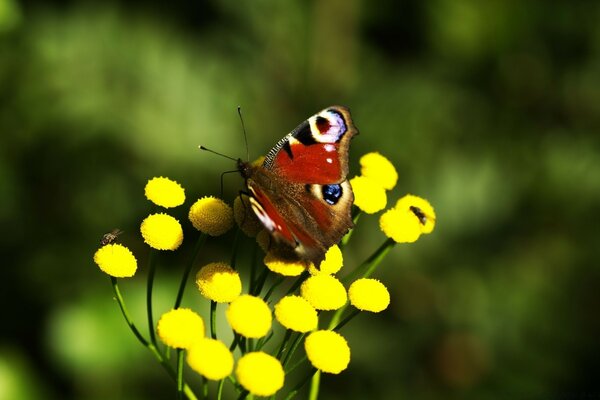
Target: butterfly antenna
216 152
245 135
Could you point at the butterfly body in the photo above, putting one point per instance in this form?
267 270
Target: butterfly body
300 192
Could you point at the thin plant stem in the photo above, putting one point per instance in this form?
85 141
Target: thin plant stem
300 384
315 382
292 349
278 282
186 273
205 388
220 389
125 313
347 319
297 283
260 282
149 286
286 338
179 374
213 319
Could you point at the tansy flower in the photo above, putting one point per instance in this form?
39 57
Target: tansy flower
245 217
331 264
284 266
406 221
249 316
379 169
369 195
219 282
369 295
180 328
327 351
116 260
295 313
211 216
260 373
210 358
324 292
162 232
164 192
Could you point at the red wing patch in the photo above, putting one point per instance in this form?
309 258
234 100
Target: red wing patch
315 163
269 216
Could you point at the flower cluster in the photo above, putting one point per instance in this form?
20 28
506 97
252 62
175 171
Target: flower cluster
315 296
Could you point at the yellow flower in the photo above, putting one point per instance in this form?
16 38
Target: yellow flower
260 373
210 358
263 239
369 195
378 168
295 313
219 282
116 260
324 292
284 266
162 232
408 219
164 192
211 215
369 295
180 328
327 351
245 217
331 264
249 316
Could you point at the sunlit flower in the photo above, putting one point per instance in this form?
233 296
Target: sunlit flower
260 373
116 260
369 195
211 215
408 219
210 358
180 328
378 168
162 232
249 316
295 313
369 295
420 208
331 264
219 282
245 217
324 292
164 192
327 351
284 266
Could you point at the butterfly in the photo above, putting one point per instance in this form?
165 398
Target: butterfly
300 192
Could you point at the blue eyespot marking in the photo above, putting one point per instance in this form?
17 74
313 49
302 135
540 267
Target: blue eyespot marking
332 193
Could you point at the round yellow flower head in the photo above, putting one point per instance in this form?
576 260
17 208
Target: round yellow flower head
164 192
210 358
331 264
400 225
162 232
211 215
116 260
284 266
369 295
327 351
249 316
421 209
260 373
245 217
180 328
378 168
369 195
324 292
295 313
219 282
263 239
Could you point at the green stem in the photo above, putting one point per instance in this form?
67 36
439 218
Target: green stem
300 384
179 374
371 263
297 283
125 313
213 319
293 348
286 338
186 273
260 282
150 284
205 388
278 282
349 317
348 235
220 389
313 394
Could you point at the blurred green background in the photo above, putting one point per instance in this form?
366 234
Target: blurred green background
491 110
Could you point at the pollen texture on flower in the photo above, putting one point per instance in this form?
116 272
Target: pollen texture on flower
369 295
180 328
116 260
378 168
369 195
295 313
219 282
327 351
249 316
164 192
324 292
260 373
245 217
331 264
210 358
162 232
211 215
284 266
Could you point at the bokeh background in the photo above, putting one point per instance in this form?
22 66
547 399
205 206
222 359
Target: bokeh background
491 110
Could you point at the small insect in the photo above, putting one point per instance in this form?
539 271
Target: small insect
110 237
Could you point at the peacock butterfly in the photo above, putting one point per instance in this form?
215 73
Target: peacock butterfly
300 192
